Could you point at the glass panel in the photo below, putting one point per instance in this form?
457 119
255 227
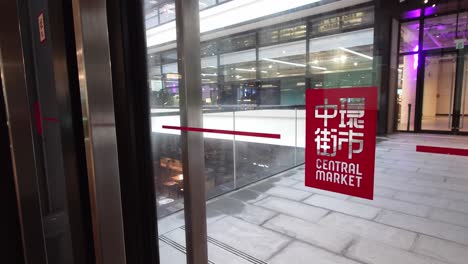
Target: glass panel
219 152
463 26
342 60
152 19
406 97
346 21
238 66
439 88
440 32
284 33
206 3
235 43
167 162
167 12
283 60
409 37
464 107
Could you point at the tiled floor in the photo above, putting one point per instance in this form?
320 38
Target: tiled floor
440 123
419 215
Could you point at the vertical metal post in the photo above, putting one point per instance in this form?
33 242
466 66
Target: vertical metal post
21 131
95 77
188 49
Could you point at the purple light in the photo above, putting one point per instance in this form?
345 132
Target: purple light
430 11
416 58
413 13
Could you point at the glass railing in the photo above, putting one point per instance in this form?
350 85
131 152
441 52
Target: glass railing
231 160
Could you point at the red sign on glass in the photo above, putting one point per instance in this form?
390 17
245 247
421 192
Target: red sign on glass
340 140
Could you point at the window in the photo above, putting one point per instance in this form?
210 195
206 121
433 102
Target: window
167 12
239 66
284 33
409 36
343 60
283 60
344 22
237 43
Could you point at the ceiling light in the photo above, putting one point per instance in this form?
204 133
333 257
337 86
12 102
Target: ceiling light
287 63
278 73
315 62
356 64
270 66
356 53
318 68
425 1
245 70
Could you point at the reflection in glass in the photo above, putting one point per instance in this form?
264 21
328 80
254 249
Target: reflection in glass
406 93
238 66
283 60
409 36
343 60
282 34
167 12
440 32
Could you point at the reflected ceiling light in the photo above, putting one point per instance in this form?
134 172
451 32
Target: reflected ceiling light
209 74
356 64
278 73
285 62
356 53
315 62
245 70
264 72
426 1
318 68
270 66
343 58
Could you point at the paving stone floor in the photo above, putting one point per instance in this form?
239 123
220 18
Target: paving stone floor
419 215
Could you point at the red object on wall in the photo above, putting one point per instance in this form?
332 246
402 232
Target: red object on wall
341 126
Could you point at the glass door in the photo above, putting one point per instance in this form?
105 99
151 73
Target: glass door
464 101
438 92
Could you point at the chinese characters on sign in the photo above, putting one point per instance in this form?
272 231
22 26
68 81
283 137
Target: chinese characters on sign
340 140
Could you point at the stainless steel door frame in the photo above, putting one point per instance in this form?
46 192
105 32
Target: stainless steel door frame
21 130
94 69
191 115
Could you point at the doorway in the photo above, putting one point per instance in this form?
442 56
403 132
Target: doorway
443 93
432 83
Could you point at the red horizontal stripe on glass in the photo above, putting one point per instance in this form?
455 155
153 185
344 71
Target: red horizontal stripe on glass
439 150
227 132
